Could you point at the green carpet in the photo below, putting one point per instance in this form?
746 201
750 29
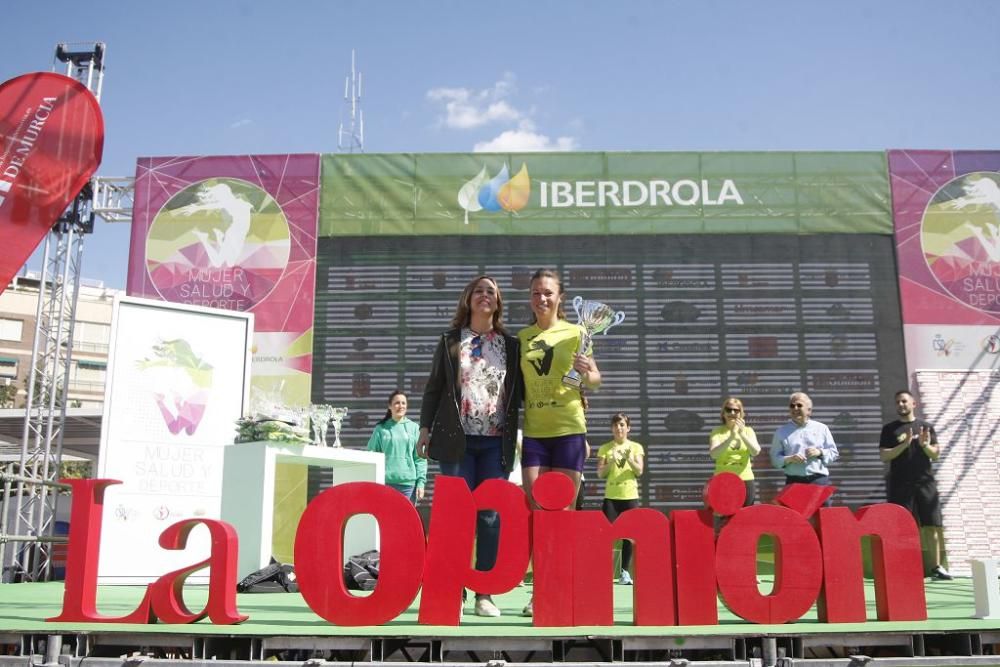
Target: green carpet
23 608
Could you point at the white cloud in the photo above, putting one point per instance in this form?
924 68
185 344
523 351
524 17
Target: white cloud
243 122
466 108
525 141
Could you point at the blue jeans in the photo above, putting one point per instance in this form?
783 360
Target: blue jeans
408 490
483 460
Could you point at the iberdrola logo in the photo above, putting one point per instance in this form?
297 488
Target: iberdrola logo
500 193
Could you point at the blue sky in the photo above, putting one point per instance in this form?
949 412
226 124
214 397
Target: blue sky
218 77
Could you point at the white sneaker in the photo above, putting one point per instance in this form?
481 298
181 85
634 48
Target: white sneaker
625 579
941 574
485 607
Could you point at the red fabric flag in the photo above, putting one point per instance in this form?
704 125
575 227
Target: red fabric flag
51 141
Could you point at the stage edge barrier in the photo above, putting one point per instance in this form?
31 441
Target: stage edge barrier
851 661
177 650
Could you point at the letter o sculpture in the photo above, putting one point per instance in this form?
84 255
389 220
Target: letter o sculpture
798 564
319 557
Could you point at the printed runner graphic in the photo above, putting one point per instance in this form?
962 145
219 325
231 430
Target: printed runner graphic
222 243
181 383
961 239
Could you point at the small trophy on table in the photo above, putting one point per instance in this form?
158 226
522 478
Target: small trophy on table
595 317
337 417
319 421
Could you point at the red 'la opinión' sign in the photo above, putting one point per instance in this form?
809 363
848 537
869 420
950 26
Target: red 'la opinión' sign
681 568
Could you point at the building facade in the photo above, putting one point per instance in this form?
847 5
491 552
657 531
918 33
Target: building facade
18 312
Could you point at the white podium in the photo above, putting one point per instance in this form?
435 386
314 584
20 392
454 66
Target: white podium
985 587
248 493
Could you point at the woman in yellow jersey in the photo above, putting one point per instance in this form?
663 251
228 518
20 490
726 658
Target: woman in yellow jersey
555 429
733 445
620 461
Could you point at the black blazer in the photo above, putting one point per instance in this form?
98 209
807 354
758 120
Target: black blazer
439 409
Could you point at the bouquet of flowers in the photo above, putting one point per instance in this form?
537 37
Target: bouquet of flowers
271 421
249 429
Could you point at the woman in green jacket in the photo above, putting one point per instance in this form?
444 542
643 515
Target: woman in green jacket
396 437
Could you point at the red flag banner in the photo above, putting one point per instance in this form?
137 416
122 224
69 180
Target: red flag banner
51 141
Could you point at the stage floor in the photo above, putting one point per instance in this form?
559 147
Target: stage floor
24 607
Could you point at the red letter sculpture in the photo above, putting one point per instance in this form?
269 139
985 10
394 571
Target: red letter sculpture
573 559
449 549
167 591
449 546
694 563
895 542
593 539
798 564
319 553
80 591
798 560
164 597
552 550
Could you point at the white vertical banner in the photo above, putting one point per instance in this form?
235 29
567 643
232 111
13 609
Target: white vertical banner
178 379
964 407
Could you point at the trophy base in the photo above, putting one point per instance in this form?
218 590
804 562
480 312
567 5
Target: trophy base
573 380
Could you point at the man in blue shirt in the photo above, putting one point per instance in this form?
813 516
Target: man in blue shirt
804 447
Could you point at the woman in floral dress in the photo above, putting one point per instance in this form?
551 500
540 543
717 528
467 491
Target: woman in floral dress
468 418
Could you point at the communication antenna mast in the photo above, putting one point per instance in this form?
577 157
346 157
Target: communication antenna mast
352 138
37 492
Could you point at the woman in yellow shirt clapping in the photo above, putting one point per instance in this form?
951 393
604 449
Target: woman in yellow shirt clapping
733 445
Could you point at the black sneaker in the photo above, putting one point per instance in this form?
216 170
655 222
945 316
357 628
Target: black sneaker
941 574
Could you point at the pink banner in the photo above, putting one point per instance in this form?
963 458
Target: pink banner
238 233
946 209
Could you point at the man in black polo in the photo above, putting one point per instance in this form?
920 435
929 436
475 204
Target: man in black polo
909 445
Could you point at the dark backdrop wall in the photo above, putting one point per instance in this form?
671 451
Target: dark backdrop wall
754 316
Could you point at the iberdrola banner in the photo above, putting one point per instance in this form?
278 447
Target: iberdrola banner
604 193
238 233
51 142
947 214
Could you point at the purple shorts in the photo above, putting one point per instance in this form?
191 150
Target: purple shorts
564 451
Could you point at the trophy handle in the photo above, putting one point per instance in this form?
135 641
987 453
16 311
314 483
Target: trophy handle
619 318
577 303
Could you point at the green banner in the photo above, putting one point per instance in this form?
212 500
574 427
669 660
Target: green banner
604 193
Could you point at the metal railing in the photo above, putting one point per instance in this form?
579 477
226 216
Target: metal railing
31 486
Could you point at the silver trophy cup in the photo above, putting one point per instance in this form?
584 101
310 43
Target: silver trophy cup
338 419
595 318
319 421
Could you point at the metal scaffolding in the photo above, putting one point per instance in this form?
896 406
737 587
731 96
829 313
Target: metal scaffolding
113 198
36 496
